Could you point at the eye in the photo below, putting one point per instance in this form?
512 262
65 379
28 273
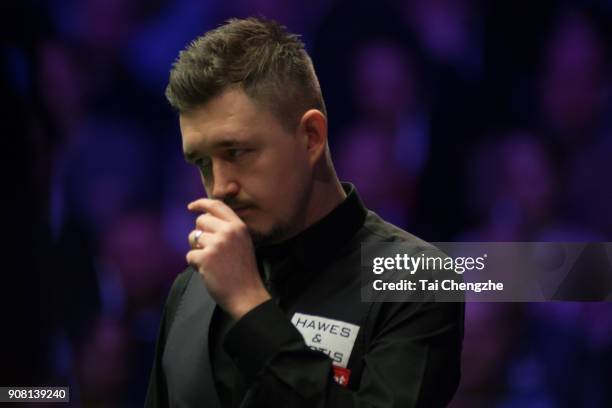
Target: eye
204 165
235 153
203 162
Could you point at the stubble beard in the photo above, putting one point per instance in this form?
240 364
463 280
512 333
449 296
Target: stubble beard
283 229
279 232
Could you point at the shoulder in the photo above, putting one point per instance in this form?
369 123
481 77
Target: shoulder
377 230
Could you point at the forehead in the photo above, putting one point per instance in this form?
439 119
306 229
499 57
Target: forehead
229 119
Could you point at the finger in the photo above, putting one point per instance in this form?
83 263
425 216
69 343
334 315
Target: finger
197 238
216 207
209 223
195 257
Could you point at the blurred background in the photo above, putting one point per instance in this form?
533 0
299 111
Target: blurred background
459 120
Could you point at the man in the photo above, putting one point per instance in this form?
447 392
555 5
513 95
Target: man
269 312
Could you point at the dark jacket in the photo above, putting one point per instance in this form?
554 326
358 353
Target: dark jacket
315 344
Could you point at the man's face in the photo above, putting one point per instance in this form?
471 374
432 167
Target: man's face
247 159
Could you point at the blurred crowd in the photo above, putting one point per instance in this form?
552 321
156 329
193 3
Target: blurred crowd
458 120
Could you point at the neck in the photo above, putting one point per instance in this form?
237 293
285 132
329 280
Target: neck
325 196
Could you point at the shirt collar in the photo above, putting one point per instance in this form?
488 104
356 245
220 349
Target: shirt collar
319 242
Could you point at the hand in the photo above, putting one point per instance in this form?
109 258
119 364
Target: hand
225 258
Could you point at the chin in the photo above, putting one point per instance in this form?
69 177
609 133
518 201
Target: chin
270 236
258 235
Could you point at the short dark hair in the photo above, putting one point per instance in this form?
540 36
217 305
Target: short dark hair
270 64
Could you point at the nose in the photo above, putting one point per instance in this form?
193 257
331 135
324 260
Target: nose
222 183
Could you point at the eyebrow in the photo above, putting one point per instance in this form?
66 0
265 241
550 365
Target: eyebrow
192 156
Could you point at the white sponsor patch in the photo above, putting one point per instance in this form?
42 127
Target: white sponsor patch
332 337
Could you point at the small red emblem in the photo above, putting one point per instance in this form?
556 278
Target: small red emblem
341 375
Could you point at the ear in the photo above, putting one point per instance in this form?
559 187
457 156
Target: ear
313 127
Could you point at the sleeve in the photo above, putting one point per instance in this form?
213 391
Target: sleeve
157 392
412 360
